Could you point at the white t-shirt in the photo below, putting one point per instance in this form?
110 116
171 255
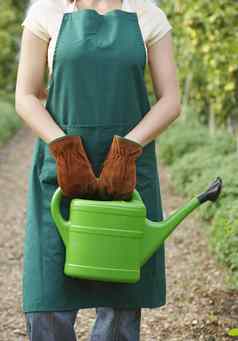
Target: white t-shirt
43 18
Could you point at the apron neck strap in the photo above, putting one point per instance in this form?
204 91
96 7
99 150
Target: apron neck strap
74 5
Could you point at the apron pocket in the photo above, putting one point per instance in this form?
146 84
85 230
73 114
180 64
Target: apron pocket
48 173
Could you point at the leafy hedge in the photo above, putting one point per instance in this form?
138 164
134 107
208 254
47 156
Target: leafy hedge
9 121
224 241
195 160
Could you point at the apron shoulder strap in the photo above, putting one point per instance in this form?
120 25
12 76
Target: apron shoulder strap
74 5
69 6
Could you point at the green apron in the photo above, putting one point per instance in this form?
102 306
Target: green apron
97 89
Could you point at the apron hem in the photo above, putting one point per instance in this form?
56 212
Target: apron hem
90 306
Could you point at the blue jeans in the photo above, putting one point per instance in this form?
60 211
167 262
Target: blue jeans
111 324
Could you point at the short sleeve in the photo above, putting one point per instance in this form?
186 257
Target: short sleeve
36 20
158 23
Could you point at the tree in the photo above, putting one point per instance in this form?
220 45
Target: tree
11 16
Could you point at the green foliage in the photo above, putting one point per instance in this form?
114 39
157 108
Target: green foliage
224 238
180 139
196 159
9 120
11 15
206 46
198 169
192 166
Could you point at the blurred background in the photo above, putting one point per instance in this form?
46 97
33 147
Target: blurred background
200 145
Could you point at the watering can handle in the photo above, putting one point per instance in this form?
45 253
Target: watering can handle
60 222
212 192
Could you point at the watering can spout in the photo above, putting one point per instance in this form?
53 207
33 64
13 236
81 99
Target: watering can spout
157 232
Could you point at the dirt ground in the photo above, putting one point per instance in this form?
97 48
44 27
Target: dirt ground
199 307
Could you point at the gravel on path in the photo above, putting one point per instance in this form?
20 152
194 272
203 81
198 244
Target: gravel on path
198 308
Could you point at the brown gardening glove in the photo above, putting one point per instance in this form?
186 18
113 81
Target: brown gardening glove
118 175
74 171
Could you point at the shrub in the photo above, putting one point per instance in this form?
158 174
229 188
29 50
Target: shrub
195 160
223 239
180 139
9 120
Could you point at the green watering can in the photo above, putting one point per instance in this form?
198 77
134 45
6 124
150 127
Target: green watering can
111 240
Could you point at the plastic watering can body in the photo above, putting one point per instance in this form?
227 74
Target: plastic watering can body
111 240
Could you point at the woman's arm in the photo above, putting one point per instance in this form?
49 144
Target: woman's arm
30 89
167 108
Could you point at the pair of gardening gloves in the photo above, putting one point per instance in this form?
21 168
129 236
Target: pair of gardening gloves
75 175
